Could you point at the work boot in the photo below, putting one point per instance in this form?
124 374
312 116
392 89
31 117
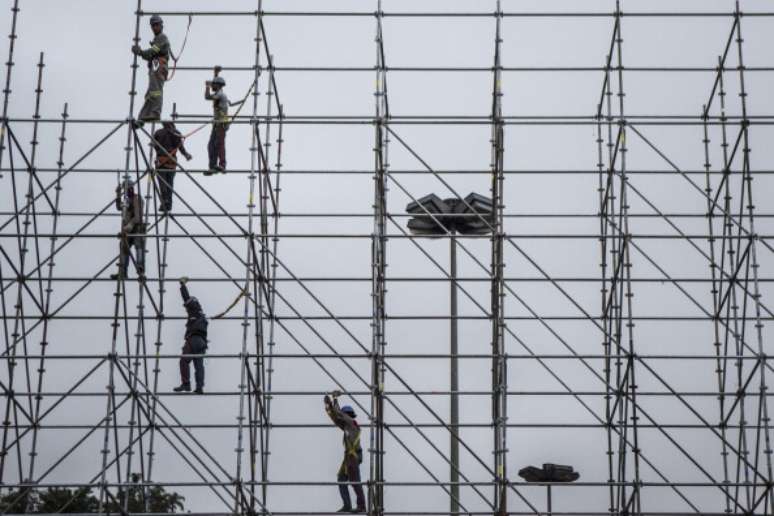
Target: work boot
183 387
220 168
117 275
210 171
359 509
345 509
199 390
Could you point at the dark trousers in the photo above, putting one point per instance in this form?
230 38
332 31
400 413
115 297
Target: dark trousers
196 345
154 97
350 472
216 148
166 180
139 250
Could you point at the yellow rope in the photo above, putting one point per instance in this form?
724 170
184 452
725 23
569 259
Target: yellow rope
242 294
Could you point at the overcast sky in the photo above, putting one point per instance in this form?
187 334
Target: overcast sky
86 46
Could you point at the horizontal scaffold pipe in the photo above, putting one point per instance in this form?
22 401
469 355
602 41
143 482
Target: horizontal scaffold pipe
466 14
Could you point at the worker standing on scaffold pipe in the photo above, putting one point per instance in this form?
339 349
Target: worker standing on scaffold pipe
132 233
195 342
349 471
168 141
158 58
216 148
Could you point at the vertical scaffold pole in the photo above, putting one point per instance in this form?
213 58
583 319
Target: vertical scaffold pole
378 279
49 290
763 422
499 358
250 383
7 90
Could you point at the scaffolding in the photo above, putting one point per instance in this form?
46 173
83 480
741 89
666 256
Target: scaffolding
653 427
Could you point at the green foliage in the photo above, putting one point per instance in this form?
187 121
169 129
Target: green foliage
158 499
60 499
19 501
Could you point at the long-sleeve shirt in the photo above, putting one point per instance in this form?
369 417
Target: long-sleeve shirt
159 48
131 220
349 426
196 324
168 143
220 105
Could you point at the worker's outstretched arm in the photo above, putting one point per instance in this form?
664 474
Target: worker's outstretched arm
183 150
333 411
338 417
207 92
159 46
184 290
118 197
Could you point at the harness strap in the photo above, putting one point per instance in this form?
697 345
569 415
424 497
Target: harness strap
176 58
352 448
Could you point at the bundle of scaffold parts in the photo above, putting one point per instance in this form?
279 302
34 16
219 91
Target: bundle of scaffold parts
549 473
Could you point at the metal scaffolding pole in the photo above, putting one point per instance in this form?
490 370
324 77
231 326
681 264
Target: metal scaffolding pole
497 289
281 305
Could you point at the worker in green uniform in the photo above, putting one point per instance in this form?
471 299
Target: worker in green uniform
157 56
349 471
216 147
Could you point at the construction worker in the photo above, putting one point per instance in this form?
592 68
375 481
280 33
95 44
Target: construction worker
216 148
349 471
195 342
157 56
167 141
132 232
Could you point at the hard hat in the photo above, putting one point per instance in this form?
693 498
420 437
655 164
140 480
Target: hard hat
349 411
220 81
156 19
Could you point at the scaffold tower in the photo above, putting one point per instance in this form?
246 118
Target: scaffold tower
560 214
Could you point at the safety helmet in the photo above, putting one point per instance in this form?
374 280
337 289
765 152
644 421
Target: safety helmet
220 81
156 19
348 410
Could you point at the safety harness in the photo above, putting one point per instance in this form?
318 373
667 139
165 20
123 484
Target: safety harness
353 449
229 119
176 58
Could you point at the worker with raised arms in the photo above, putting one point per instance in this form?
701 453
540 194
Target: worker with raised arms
349 471
157 56
195 342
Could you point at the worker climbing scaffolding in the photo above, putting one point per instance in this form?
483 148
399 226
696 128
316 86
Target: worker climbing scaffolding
349 471
167 141
216 148
157 56
132 232
195 342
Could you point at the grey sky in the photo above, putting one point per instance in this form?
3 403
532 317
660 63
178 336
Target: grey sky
86 45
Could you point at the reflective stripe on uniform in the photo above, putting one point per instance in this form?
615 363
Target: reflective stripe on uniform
154 47
354 446
154 93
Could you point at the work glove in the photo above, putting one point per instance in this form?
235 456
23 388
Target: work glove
188 157
136 50
183 280
335 394
217 69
